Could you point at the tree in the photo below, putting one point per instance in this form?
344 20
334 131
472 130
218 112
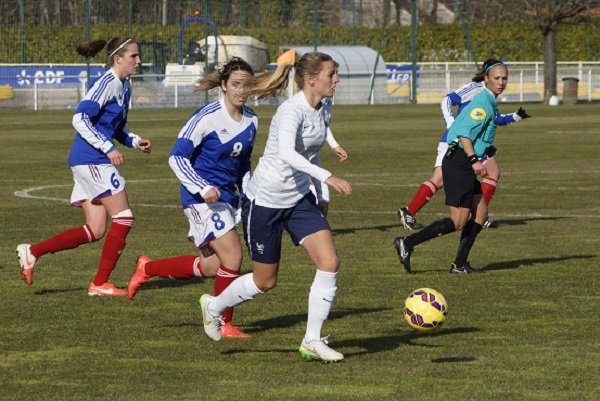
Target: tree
548 14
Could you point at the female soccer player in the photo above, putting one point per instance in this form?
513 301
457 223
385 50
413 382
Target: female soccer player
278 197
99 186
469 138
427 189
211 158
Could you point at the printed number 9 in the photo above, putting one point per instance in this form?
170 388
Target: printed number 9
237 149
216 218
114 181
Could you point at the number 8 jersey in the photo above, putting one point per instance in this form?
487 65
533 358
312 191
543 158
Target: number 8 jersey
214 150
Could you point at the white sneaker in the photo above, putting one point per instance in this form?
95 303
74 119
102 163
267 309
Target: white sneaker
319 350
27 262
212 324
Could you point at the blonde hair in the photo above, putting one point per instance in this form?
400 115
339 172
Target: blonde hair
271 84
116 46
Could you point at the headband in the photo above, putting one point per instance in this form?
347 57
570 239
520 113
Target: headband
119 48
493 65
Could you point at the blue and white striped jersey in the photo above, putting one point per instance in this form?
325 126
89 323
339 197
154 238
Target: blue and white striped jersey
214 150
99 119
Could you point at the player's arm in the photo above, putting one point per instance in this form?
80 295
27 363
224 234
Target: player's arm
505 119
180 163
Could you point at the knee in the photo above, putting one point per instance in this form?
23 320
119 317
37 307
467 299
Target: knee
331 265
98 230
266 284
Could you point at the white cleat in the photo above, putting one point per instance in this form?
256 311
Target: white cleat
318 350
212 324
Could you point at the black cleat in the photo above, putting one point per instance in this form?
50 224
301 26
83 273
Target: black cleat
465 269
490 223
407 219
403 253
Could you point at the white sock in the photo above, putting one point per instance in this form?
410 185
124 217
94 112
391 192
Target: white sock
320 299
242 289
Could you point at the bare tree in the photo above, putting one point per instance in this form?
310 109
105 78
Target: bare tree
548 14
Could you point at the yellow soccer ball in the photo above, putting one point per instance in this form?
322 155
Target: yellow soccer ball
425 310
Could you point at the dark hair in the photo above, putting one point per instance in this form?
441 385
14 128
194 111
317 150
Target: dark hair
116 46
480 75
214 79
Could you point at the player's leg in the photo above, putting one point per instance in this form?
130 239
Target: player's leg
425 192
489 185
469 233
117 206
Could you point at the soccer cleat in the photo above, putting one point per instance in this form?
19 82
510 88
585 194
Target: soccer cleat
105 290
318 350
407 219
139 276
465 269
27 262
490 223
228 330
403 253
212 324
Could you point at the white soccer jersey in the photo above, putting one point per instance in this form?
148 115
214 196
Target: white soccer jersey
296 135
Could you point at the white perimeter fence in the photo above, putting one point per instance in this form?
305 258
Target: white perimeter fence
40 87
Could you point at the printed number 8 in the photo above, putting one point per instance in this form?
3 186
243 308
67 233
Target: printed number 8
216 218
237 149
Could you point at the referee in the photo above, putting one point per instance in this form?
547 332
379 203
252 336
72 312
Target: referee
469 138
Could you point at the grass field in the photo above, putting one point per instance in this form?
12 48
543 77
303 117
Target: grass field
525 330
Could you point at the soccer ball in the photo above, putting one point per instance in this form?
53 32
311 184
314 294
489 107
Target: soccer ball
425 310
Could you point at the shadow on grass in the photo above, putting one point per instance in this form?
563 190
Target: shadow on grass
515 264
383 344
341 231
151 285
524 221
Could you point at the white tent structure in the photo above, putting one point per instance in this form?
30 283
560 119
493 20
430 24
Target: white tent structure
362 72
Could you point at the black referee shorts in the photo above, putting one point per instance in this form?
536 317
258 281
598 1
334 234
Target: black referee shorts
460 181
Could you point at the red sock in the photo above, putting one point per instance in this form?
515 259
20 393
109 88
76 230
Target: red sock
225 277
180 267
66 240
488 186
112 248
423 195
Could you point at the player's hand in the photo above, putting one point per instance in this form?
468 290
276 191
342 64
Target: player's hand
212 195
145 145
324 206
522 113
479 169
340 185
338 150
116 158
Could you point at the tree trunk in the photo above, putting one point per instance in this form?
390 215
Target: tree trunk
549 63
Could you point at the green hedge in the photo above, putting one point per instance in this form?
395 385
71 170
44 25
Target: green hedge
48 44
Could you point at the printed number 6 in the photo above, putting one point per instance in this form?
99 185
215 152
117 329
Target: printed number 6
216 218
114 181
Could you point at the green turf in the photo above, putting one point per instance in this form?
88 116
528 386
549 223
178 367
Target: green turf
526 330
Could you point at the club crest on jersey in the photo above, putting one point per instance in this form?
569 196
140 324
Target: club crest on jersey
478 114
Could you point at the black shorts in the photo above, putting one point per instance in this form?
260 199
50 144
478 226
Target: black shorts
460 181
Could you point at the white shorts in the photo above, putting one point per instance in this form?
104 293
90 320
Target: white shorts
210 221
95 181
442 148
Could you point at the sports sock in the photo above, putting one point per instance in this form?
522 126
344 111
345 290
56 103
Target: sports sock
467 239
320 299
182 267
488 187
436 229
241 290
68 239
423 195
223 279
113 247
